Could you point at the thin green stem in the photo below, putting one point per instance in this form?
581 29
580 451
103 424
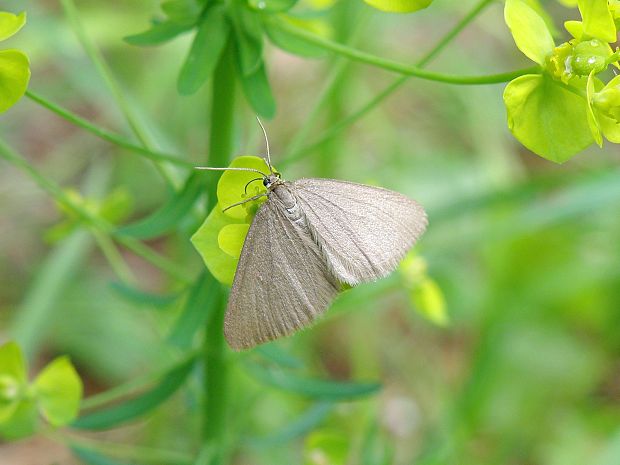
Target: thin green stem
100 64
402 68
338 67
107 135
295 152
114 257
91 220
220 151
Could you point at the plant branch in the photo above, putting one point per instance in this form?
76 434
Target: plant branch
91 220
100 64
295 152
107 135
221 134
402 68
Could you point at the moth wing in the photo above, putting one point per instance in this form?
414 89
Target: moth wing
363 231
281 284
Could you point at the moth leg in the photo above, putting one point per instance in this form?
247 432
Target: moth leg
264 194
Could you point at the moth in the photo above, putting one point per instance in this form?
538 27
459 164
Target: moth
309 237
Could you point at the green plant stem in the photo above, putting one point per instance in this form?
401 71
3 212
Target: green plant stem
220 151
402 68
107 135
114 258
296 152
91 220
100 64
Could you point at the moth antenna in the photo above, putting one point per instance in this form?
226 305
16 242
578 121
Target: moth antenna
245 189
264 194
266 144
231 169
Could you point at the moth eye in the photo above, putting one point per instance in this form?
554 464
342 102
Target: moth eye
266 182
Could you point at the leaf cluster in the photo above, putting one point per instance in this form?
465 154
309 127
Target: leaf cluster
565 107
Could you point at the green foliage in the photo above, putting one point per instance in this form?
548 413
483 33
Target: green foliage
220 238
529 30
326 447
604 109
14 65
10 24
525 253
56 393
58 389
547 118
424 294
399 6
206 49
144 403
551 113
598 21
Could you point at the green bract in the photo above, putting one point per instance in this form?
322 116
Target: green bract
529 30
604 109
598 22
14 66
55 393
547 118
399 6
220 238
557 113
425 295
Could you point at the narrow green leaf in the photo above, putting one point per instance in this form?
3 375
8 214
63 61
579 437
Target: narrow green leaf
14 77
205 51
93 458
305 423
140 405
529 30
159 33
292 44
547 118
10 24
181 11
277 355
248 38
167 218
142 298
314 388
399 6
197 309
258 92
58 390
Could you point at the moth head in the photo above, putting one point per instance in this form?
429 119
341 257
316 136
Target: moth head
272 180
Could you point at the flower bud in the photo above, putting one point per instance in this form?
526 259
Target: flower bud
607 102
590 55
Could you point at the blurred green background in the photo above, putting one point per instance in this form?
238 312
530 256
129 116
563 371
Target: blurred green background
525 252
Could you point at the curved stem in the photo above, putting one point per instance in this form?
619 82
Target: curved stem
398 67
105 134
296 152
